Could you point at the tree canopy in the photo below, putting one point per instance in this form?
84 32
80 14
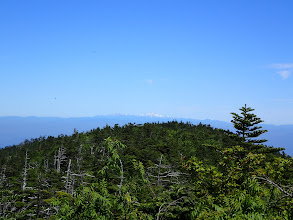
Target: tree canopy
168 170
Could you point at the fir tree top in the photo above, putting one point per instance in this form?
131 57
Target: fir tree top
245 125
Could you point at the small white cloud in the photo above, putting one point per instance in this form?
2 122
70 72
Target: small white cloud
285 69
282 66
284 73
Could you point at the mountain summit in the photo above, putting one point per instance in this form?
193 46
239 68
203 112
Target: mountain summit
14 130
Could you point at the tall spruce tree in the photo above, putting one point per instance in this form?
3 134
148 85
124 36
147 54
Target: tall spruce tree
246 125
247 131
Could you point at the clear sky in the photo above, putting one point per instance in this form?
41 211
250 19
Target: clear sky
198 59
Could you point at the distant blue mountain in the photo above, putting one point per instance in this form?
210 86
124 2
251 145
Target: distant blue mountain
14 130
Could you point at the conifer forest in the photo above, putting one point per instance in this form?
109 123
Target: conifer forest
156 171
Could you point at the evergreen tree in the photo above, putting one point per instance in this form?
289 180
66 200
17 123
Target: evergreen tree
246 125
247 131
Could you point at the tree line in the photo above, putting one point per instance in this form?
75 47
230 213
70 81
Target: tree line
171 170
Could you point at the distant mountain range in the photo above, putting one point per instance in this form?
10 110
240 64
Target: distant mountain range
14 130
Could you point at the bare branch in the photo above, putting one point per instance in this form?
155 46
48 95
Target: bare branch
279 187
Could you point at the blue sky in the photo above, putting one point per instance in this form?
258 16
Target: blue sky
195 59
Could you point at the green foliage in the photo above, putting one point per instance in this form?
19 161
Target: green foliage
170 170
247 131
246 125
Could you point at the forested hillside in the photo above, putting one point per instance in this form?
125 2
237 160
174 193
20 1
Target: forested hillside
168 170
14 130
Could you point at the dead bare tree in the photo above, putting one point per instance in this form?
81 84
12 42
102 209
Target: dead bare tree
80 149
46 164
165 206
69 181
24 175
286 190
82 175
121 177
59 158
92 149
79 158
78 163
34 165
163 174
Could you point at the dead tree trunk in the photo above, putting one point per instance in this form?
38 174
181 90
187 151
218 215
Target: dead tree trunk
46 164
23 187
162 174
59 158
121 177
159 171
68 180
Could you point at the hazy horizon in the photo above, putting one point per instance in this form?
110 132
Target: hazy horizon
153 115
